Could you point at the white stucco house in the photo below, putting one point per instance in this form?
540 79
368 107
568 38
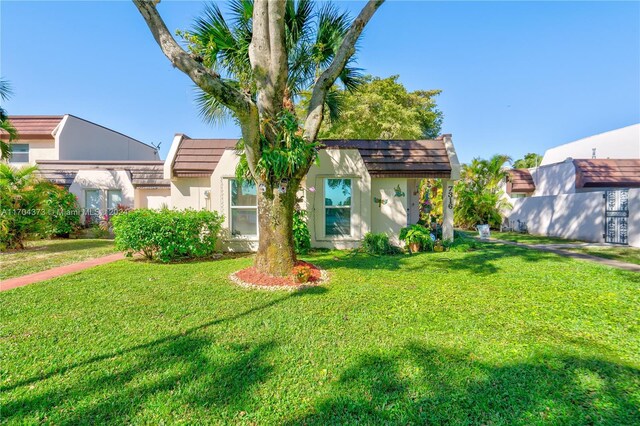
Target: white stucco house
358 187
588 190
101 166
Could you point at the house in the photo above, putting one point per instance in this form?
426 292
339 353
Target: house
587 190
102 167
359 186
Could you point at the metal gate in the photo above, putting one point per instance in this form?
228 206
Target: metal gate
616 216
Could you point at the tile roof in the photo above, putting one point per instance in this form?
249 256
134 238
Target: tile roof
144 174
603 173
383 158
33 126
520 180
199 157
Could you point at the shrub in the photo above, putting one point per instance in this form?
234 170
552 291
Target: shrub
378 244
22 207
301 235
462 243
62 210
167 235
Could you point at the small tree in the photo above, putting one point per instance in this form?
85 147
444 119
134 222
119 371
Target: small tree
252 69
529 161
382 108
478 192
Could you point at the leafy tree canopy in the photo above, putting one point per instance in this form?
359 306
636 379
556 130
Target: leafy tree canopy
530 160
382 108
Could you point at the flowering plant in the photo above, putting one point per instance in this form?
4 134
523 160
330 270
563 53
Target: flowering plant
301 273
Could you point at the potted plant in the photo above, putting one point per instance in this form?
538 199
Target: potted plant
438 247
301 274
416 237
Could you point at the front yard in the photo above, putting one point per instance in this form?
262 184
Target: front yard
503 335
41 255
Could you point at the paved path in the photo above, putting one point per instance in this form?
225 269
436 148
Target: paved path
56 272
559 249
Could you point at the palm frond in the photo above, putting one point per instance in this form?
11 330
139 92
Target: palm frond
210 109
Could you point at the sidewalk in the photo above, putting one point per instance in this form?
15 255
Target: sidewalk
558 249
56 272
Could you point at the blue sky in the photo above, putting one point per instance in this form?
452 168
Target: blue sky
516 76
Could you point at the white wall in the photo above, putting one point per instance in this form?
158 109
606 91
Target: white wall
616 144
634 217
78 139
574 216
38 150
190 193
392 216
103 180
152 198
554 179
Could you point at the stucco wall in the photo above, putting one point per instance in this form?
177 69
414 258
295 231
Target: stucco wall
38 150
634 217
554 179
572 216
81 140
616 144
190 193
152 198
103 180
391 216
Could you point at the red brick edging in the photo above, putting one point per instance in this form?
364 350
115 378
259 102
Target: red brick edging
56 272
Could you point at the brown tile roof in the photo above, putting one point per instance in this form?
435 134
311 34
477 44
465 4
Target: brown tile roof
602 173
400 158
33 126
383 158
520 180
199 157
144 174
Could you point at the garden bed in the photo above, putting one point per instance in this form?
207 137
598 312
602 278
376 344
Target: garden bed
250 277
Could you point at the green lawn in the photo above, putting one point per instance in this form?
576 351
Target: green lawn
503 335
517 237
46 254
623 254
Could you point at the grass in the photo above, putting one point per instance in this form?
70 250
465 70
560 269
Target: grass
46 254
623 254
517 237
503 335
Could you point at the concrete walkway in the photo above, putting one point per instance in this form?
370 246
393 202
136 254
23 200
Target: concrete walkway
56 272
559 249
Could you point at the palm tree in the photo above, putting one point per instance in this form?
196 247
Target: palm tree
313 36
5 124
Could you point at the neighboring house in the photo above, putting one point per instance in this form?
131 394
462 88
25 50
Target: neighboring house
102 167
358 187
578 194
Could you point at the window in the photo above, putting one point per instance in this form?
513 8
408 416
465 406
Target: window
337 207
244 208
92 204
518 195
114 197
19 153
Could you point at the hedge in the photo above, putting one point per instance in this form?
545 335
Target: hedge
167 235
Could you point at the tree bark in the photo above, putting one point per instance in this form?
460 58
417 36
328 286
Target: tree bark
276 250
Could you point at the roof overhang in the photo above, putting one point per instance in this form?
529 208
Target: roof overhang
520 181
607 173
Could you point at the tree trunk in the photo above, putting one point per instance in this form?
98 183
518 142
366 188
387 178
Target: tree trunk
276 251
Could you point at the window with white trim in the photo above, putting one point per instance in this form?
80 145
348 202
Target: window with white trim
114 198
19 153
92 204
244 208
337 207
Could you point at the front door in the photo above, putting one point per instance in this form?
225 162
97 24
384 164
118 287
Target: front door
616 220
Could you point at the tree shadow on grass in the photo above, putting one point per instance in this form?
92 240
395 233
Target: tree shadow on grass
168 364
423 385
483 261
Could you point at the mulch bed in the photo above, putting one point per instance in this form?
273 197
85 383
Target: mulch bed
250 277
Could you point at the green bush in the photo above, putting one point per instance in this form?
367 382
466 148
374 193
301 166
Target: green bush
301 235
167 235
62 209
378 244
462 243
